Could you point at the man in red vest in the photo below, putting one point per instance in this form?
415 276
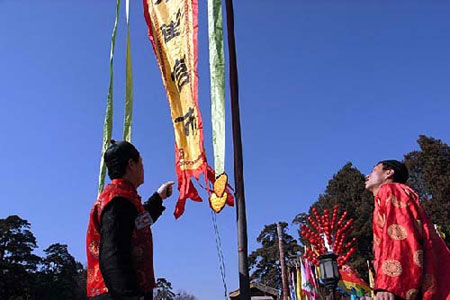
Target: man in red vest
119 239
411 259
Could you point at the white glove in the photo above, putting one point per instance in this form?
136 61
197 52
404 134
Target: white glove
165 190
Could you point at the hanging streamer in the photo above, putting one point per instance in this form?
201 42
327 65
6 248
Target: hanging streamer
218 197
173 28
217 79
107 126
129 84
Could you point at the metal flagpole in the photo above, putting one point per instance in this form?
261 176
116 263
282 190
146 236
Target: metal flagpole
244 282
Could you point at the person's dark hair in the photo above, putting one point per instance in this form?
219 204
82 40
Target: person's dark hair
117 156
400 171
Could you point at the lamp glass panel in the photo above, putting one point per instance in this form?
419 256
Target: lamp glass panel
336 270
329 269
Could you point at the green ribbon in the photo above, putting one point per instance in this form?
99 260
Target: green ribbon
217 79
129 85
107 126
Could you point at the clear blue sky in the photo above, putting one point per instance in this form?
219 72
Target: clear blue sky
321 83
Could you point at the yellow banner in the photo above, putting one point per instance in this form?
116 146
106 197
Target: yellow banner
173 30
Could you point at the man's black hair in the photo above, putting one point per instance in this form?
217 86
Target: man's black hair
117 156
400 171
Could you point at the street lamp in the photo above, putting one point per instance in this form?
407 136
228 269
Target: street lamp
329 272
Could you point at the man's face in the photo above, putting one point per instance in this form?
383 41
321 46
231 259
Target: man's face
377 177
136 171
140 171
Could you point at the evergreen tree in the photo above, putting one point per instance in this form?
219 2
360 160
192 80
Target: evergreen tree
59 277
182 295
163 290
429 171
17 261
264 262
347 190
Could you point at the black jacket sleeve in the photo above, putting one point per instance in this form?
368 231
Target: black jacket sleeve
154 206
115 254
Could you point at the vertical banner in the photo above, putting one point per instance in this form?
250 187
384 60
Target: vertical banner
173 28
128 118
217 79
107 127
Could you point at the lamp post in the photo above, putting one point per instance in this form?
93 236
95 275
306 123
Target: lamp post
329 272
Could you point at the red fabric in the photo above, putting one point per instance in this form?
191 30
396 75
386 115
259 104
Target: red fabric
410 257
141 241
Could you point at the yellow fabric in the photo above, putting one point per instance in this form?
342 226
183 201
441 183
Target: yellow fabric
172 23
347 285
371 282
299 285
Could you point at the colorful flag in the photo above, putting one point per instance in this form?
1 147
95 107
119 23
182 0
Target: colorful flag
307 286
173 28
352 282
311 280
292 286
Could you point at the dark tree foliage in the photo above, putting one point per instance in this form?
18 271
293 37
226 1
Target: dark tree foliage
163 290
17 261
346 189
24 275
56 276
182 295
264 262
60 274
430 177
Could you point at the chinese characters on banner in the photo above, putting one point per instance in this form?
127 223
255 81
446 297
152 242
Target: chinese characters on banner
173 28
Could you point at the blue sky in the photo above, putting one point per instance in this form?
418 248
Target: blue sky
321 83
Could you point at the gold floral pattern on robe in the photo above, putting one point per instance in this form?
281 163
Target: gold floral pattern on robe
418 258
94 249
397 232
397 203
381 219
392 267
376 240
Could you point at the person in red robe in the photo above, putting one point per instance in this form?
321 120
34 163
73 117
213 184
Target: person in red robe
119 243
411 260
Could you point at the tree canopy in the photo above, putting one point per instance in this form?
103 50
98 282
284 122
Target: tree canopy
24 275
265 261
429 170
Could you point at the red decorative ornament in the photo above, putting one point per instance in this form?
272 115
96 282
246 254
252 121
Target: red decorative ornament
328 233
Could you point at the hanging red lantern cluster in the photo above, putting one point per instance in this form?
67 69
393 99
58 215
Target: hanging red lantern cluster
328 234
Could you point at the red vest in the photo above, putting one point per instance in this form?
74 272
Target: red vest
141 241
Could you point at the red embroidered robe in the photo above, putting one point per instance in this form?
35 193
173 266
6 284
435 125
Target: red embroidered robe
141 241
411 259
